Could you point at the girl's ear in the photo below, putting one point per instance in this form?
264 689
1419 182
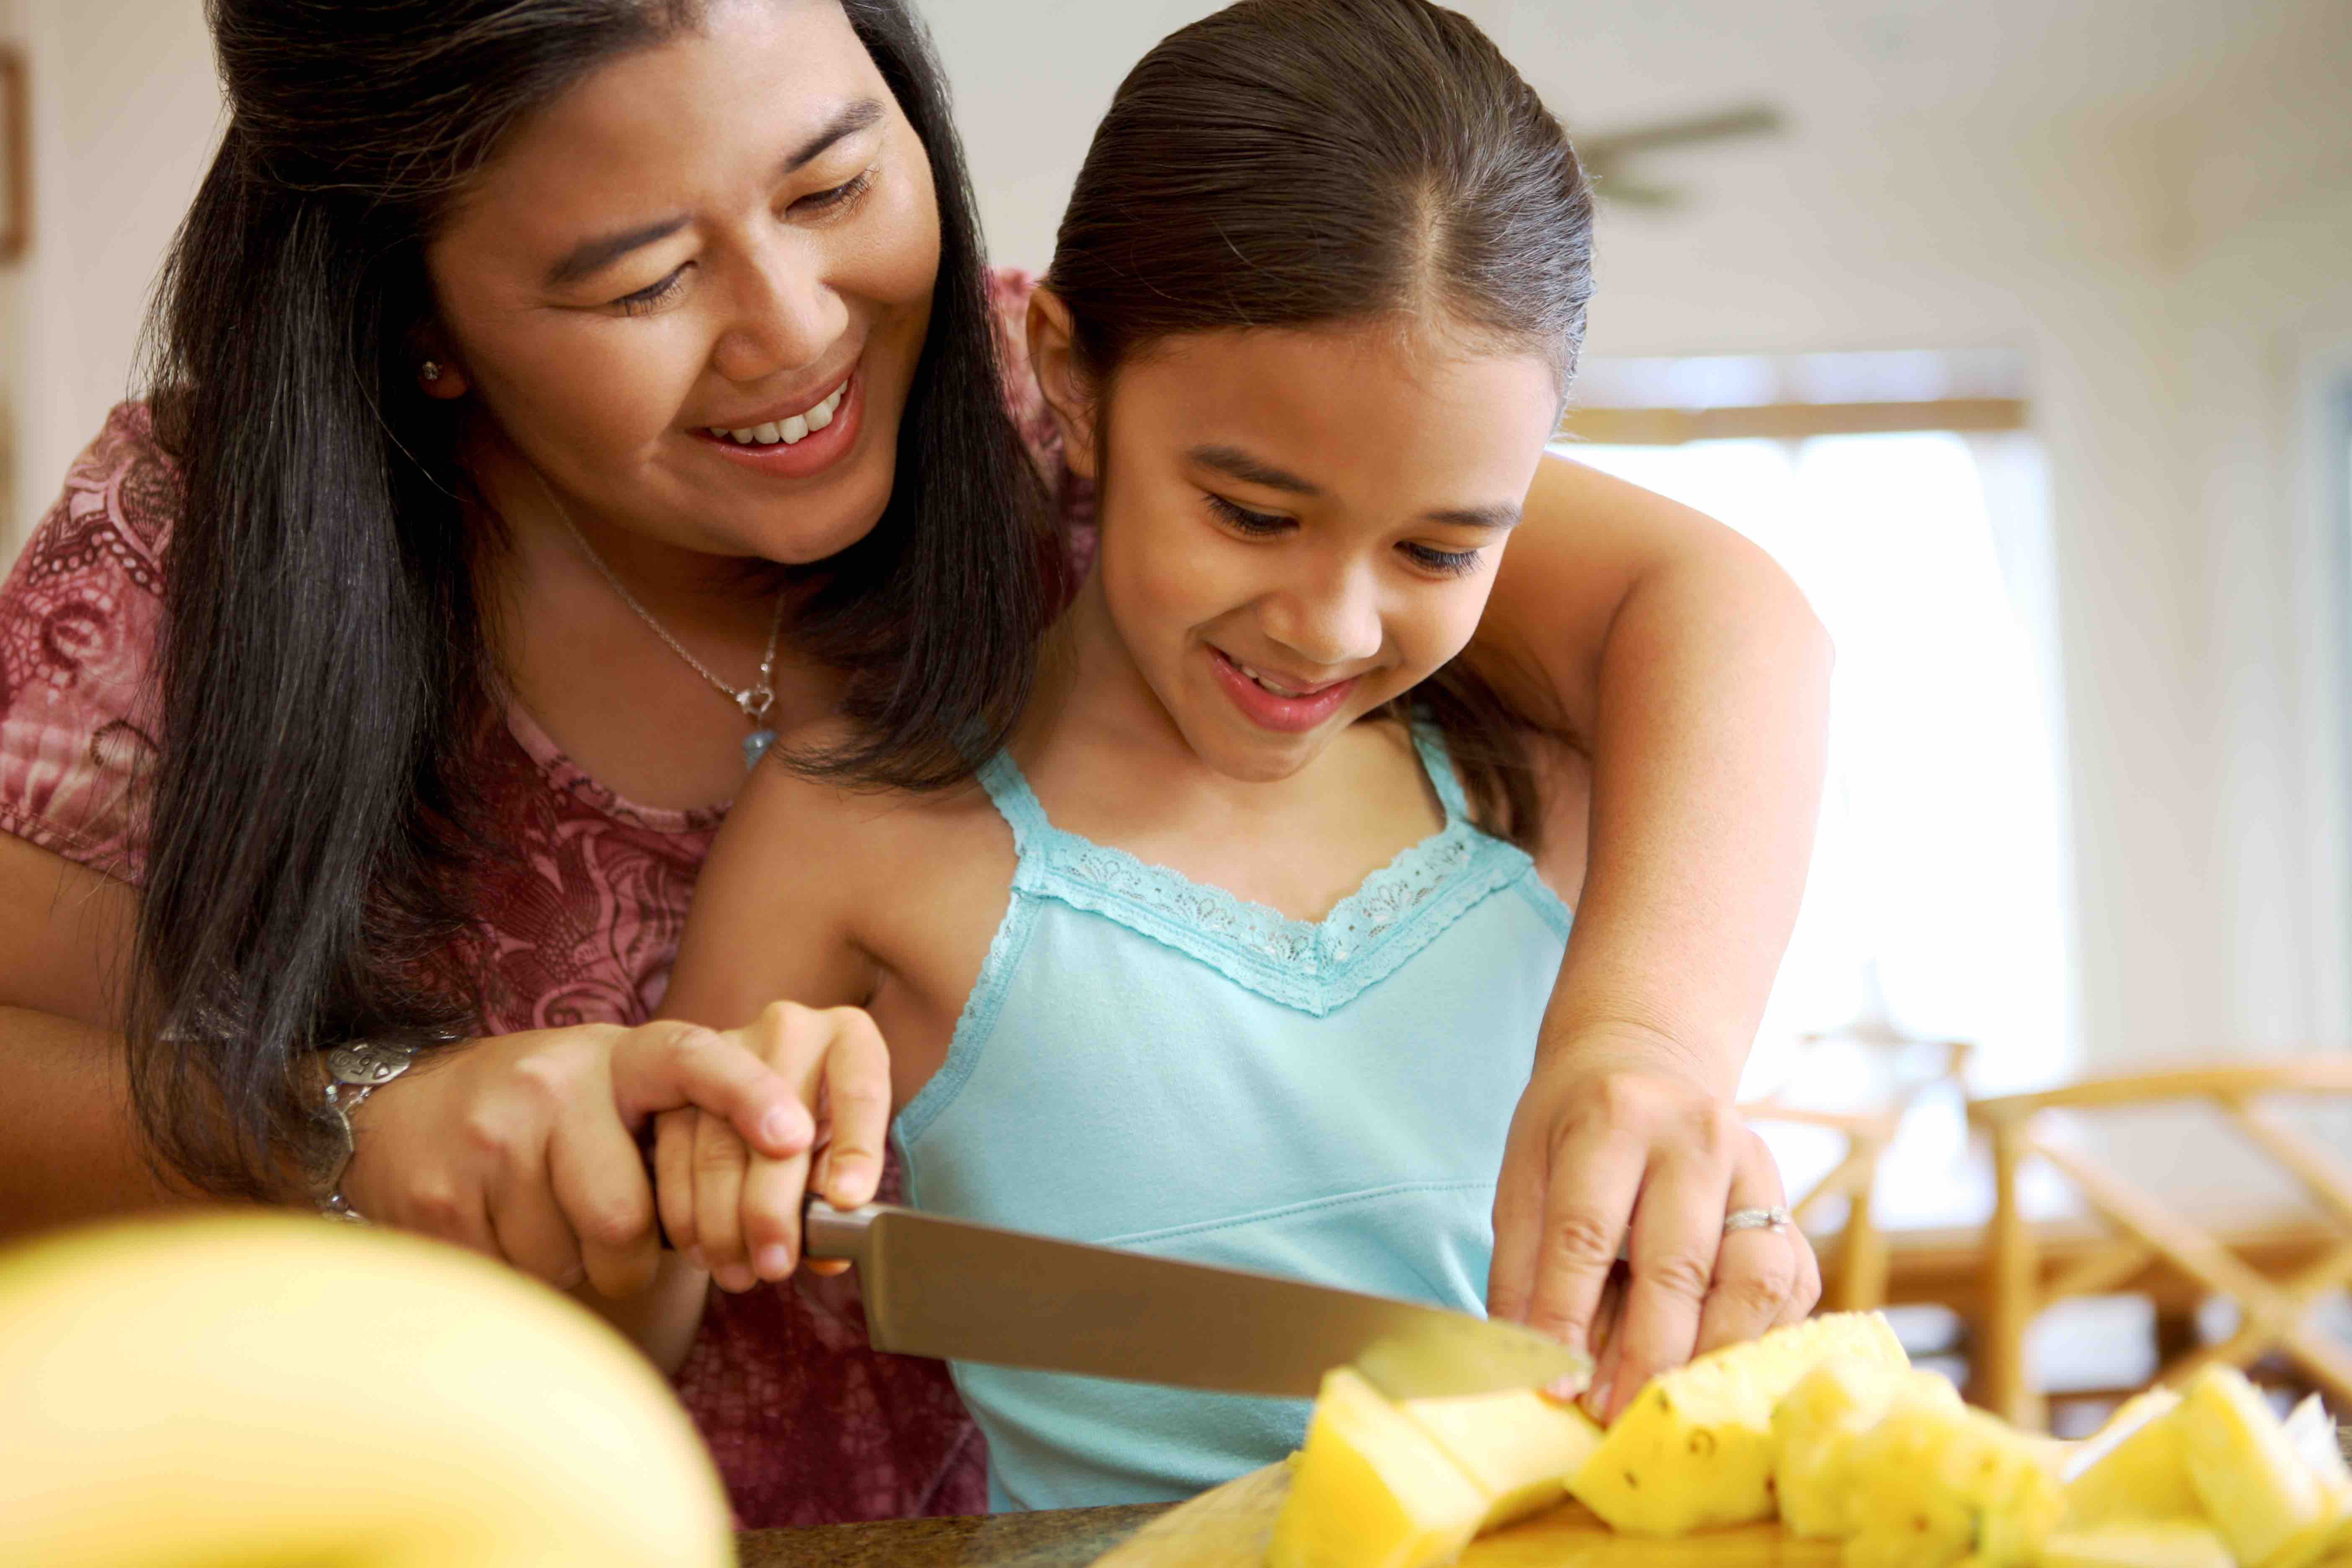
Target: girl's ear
1053 359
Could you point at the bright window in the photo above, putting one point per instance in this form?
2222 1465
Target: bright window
1938 895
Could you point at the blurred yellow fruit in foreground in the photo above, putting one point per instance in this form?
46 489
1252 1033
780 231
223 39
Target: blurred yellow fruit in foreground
263 1389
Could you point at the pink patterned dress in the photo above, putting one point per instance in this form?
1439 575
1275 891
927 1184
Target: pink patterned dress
809 1424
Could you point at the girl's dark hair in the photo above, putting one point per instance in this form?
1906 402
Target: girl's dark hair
325 700
1297 163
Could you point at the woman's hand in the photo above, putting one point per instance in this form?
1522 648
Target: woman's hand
737 1213
1615 1143
524 1146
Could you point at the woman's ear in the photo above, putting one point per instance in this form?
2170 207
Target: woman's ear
1053 359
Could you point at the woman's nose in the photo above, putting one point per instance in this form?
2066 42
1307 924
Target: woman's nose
785 318
1329 620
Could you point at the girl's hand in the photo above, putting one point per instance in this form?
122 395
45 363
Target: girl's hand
1613 1143
524 1146
736 1212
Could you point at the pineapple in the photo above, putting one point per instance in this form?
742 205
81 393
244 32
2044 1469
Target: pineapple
1372 1488
1517 1448
2134 1468
1694 1449
2266 1499
2166 1543
1815 1429
1933 1486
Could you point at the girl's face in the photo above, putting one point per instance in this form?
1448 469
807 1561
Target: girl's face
1300 525
692 291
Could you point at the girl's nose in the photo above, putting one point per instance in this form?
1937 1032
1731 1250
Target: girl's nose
1331 621
785 317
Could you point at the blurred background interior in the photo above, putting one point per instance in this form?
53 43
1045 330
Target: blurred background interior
2020 332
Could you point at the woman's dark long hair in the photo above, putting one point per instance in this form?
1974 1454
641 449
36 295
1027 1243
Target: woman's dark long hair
325 696
1299 163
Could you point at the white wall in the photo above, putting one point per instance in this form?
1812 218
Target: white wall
125 111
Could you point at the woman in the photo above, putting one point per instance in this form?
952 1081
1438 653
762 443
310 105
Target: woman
500 340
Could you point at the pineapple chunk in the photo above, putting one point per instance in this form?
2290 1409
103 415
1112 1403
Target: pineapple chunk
2167 1543
2134 1468
1694 1449
2261 1493
1932 1486
1372 1488
1518 1449
1815 1429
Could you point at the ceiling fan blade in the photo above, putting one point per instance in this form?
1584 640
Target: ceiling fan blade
1753 119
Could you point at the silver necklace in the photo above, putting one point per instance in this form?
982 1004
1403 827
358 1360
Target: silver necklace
755 701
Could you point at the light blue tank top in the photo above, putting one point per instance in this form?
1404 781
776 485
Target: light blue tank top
1154 1064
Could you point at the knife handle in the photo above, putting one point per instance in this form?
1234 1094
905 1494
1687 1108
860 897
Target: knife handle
829 1232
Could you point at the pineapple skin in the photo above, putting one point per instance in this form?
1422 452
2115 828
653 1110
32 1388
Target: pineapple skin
1695 1449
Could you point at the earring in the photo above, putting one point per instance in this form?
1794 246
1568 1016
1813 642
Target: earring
431 369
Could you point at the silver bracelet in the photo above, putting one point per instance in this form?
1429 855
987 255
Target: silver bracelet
354 1072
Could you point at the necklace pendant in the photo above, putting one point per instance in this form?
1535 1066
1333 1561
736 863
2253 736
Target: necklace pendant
755 746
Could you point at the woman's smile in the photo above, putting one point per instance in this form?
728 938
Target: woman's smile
794 446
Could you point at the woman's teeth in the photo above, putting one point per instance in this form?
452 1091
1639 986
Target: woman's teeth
1267 684
791 432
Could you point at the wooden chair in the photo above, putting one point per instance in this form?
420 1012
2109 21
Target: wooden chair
1855 1265
2273 1269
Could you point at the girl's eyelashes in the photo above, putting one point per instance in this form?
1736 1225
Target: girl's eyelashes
1449 562
653 295
1242 520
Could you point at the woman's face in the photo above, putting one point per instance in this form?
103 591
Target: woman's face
692 291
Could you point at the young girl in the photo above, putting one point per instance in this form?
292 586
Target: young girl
1239 952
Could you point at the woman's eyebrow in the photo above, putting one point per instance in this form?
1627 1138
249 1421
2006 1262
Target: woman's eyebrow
852 119
1499 515
591 257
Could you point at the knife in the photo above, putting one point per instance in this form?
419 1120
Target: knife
961 1291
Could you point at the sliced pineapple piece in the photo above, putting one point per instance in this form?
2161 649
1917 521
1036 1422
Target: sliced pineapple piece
2134 1468
1518 1449
1814 1429
2262 1494
2155 1544
1372 1488
1694 1449
1931 1486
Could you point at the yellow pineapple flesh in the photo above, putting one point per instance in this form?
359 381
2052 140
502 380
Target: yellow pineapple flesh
2134 1468
1518 1449
2262 1496
1694 1449
1933 1486
2153 1543
1815 1427
1372 1488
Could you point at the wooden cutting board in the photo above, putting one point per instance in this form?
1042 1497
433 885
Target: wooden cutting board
1229 1528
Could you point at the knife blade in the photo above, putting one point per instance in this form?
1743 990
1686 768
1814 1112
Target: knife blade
962 1291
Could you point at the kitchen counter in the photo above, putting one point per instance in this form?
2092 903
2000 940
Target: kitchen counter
1070 1538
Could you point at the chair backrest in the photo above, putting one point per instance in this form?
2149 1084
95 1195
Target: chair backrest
2273 1312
